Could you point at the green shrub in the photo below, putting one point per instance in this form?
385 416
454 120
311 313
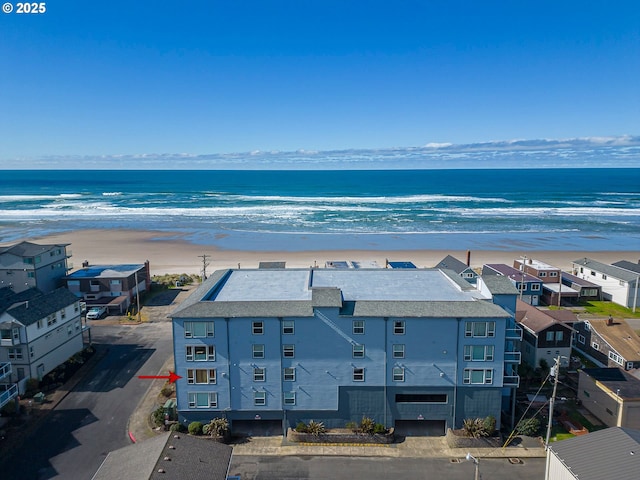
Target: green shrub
195 428
316 428
489 425
301 427
379 428
158 416
353 426
167 391
32 387
367 425
218 427
528 427
178 427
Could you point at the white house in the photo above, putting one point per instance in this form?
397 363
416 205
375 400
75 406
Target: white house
619 285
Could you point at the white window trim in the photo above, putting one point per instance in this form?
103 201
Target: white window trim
358 351
398 353
399 327
359 372
288 351
260 399
398 374
257 352
257 328
291 375
289 399
259 374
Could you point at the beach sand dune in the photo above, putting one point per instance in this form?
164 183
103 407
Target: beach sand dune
169 253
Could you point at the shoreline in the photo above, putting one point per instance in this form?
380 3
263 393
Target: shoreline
170 252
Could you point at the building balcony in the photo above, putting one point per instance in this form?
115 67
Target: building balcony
511 381
512 357
9 342
5 370
513 333
7 392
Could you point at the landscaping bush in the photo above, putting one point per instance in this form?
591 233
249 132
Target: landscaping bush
367 425
379 428
353 426
528 427
195 428
32 387
177 427
489 424
479 427
218 427
167 390
316 428
158 416
302 427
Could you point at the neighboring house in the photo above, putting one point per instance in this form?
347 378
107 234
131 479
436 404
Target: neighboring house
608 343
610 453
612 395
38 332
28 265
417 349
461 268
619 285
111 286
168 455
529 286
545 272
351 264
586 290
544 338
407 264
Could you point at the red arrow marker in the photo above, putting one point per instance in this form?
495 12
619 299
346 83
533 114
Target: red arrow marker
172 377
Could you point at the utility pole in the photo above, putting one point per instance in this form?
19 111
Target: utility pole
138 297
205 264
555 372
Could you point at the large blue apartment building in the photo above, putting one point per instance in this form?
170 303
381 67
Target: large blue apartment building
418 349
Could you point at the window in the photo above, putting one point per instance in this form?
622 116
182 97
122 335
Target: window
15 354
257 351
5 334
398 350
69 329
289 398
358 374
51 320
478 353
581 339
542 274
550 336
257 328
616 358
595 346
477 377
398 327
288 351
63 314
201 376
559 336
398 374
289 374
114 282
593 274
198 329
201 353
259 374
358 327
522 286
288 327
553 274
480 329
77 325
604 277
259 399
76 307
629 365
421 398
203 400
358 351
535 287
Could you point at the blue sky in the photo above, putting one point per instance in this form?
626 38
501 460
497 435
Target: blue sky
124 79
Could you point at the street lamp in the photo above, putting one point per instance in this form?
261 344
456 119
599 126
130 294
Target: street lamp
476 462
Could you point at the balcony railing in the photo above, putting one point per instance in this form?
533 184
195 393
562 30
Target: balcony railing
513 333
511 381
5 370
9 392
512 357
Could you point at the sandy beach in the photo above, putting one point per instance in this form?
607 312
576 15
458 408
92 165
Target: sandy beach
167 253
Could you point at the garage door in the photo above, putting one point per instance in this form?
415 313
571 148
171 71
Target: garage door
256 428
420 428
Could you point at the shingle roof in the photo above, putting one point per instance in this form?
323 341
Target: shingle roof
610 453
452 263
28 249
620 336
499 285
610 270
40 306
627 265
507 271
9 298
533 319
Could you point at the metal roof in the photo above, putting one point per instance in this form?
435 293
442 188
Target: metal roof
106 271
610 453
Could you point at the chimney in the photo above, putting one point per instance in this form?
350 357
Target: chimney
610 321
468 258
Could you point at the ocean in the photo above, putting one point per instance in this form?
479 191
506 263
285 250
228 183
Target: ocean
536 209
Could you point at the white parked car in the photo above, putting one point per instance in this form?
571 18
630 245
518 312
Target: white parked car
95 313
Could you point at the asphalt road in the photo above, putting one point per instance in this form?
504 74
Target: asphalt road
92 419
347 468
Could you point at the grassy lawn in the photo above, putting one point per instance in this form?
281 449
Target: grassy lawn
609 308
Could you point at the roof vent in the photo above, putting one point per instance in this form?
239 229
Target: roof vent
161 470
171 447
167 459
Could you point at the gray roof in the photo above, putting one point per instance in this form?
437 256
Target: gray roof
8 297
107 271
627 265
499 285
619 382
609 270
452 263
28 249
610 453
513 273
374 293
40 306
192 458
